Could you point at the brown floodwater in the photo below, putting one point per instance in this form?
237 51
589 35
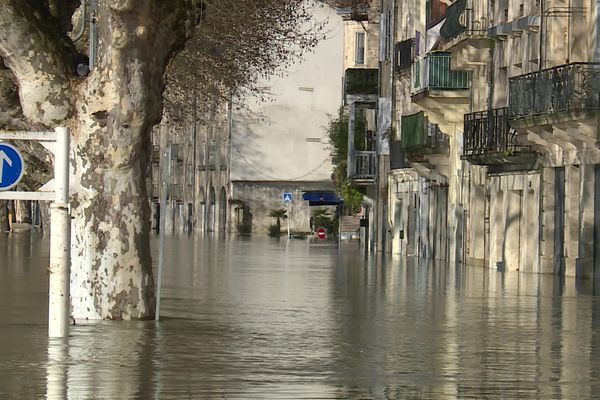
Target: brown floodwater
267 319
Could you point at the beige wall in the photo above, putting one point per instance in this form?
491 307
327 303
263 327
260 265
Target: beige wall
285 139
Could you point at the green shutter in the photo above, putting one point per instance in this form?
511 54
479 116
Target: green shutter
413 131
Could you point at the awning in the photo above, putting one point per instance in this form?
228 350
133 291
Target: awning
321 198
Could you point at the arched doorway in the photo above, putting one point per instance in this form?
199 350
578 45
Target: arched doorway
223 211
210 217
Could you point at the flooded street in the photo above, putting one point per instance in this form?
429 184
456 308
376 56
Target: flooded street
267 319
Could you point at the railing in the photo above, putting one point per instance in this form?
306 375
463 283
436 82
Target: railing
433 72
564 88
488 133
468 17
365 165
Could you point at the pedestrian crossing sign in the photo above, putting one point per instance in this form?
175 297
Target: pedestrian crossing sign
287 197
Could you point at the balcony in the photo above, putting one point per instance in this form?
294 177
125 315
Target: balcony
361 85
527 23
355 10
421 139
362 169
434 73
465 33
441 92
465 18
489 140
564 93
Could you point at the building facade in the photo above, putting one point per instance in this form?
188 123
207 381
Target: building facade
493 132
281 145
190 166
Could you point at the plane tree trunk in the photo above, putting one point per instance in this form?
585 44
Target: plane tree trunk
110 113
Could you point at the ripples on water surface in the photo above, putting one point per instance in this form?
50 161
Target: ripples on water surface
267 319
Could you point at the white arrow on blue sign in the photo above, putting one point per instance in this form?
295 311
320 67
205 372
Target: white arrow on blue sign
287 197
12 166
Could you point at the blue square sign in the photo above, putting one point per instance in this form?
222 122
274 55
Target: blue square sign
11 166
287 197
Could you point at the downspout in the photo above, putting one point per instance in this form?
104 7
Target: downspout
93 33
229 138
542 36
492 73
392 108
194 160
393 58
375 239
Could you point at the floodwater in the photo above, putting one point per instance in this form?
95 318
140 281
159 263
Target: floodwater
267 319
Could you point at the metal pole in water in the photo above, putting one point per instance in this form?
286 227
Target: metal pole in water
288 219
166 177
60 242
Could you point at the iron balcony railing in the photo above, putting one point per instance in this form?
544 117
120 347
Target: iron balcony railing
465 17
487 133
567 87
365 163
434 72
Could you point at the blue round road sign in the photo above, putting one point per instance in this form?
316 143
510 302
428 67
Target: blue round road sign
11 166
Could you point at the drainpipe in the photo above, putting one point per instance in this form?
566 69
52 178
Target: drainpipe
194 167
542 36
230 185
93 34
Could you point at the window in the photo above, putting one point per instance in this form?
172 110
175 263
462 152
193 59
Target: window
385 37
359 54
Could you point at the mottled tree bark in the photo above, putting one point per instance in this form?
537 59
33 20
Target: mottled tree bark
118 105
110 113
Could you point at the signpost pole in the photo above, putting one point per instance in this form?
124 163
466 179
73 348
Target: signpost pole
288 219
164 191
60 241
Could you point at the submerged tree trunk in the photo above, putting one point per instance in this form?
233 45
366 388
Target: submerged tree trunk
112 276
110 113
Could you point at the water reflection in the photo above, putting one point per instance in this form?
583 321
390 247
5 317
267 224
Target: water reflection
269 319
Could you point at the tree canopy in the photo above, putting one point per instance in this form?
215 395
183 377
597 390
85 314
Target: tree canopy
337 133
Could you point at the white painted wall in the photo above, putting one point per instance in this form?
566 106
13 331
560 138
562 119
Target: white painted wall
271 144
